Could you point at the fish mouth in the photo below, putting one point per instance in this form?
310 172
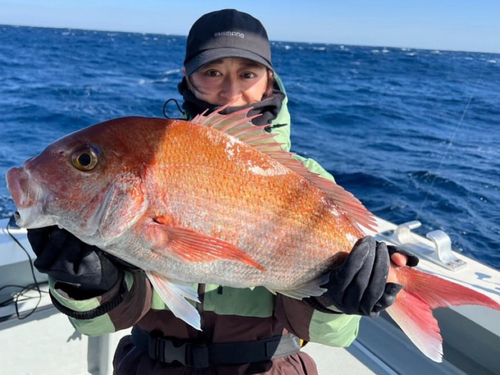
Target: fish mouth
17 183
26 196
32 218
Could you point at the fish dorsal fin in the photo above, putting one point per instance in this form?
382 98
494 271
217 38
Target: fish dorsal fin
237 124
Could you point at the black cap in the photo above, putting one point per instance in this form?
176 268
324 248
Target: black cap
226 33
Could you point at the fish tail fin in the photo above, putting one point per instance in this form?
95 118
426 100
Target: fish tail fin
423 292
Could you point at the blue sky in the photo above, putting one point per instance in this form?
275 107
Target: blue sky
464 25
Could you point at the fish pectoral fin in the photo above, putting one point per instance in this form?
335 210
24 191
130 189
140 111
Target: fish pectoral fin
190 246
175 295
312 288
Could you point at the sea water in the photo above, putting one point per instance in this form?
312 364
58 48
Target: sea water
413 133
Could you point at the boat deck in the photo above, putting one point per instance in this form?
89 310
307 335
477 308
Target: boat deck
46 343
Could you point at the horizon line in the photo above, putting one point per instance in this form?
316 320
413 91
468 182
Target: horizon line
271 41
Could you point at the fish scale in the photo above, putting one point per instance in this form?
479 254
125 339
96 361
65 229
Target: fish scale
217 201
259 233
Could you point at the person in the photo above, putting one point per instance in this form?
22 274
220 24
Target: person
244 331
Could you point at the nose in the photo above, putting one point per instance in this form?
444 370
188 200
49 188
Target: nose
230 88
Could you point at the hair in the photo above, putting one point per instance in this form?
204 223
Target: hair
270 84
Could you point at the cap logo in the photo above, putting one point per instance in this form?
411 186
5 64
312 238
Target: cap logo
229 33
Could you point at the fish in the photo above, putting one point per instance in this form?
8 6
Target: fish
215 200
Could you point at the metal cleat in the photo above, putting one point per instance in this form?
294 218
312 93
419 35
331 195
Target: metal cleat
437 250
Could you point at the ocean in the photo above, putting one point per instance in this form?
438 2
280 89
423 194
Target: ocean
414 134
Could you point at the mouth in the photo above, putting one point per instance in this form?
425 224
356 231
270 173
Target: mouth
17 183
25 195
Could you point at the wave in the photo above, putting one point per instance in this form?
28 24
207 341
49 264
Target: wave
149 81
411 136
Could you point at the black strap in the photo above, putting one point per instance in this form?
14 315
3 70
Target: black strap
98 311
315 304
200 355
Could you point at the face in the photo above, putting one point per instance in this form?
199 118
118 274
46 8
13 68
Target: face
228 80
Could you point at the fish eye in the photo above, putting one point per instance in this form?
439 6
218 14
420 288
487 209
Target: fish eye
85 159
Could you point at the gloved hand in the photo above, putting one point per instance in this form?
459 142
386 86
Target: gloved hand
411 260
86 270
359 285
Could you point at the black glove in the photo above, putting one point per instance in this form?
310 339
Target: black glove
86 270
359 285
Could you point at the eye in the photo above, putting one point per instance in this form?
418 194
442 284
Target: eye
248 75
212 73
85 159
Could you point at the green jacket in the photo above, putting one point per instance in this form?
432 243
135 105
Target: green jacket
228 314
283 135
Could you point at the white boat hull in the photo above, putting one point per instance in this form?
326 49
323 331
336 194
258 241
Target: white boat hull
46 343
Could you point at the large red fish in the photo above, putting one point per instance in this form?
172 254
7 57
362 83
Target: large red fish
213 201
